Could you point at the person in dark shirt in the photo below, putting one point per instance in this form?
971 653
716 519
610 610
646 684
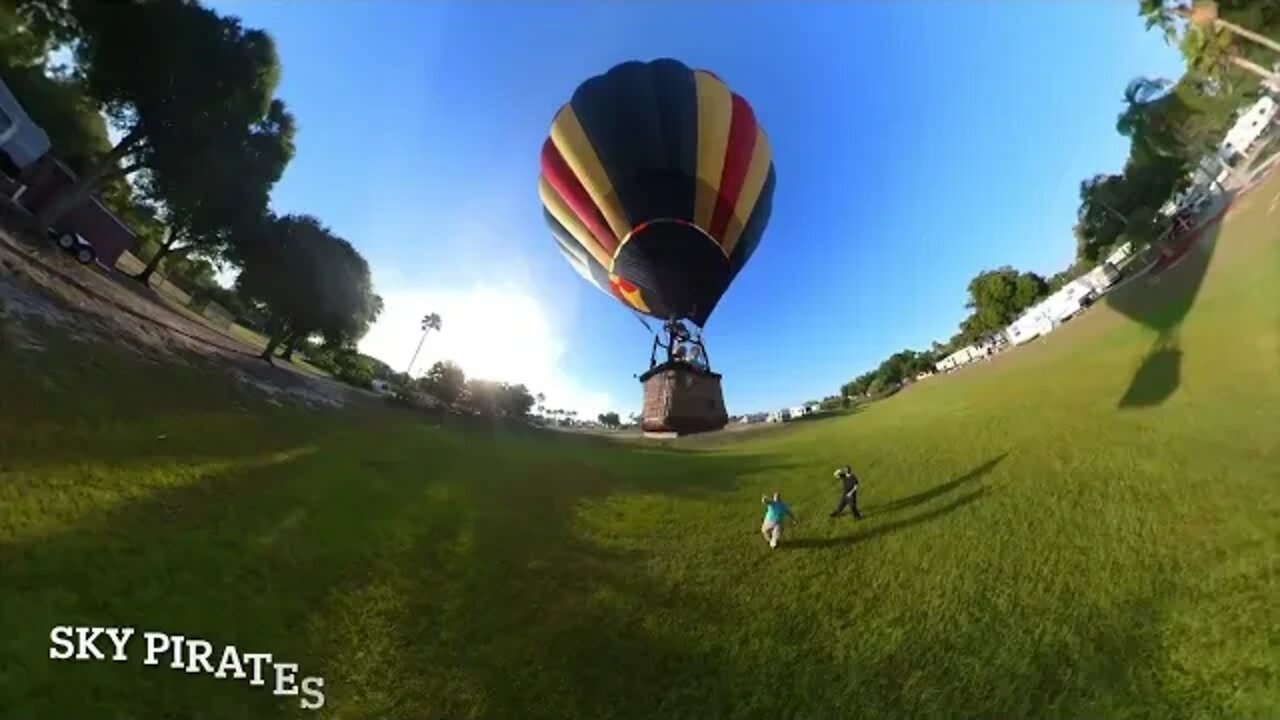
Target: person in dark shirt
849 497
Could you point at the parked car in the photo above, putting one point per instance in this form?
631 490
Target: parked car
79 248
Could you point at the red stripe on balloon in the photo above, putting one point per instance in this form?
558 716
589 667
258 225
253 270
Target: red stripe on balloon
737 159
566 184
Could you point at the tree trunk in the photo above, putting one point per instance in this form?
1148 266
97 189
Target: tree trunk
144 277
409 370
1248 34
276 338
69 197
290 345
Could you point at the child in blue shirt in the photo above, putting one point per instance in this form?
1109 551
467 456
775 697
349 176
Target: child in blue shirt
775 512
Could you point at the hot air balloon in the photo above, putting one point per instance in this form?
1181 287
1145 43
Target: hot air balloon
657 184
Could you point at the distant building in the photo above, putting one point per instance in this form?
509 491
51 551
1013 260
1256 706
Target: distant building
1120 254
1251 126
968 354
1067 302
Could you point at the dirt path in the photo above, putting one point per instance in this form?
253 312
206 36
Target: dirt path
40 286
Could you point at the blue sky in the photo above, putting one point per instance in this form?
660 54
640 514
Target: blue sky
916 143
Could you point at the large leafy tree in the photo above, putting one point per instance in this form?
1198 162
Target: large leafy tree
1125 207
309 281
1105 203
176 78
444 381
1183 120
216 199
997 297
30 29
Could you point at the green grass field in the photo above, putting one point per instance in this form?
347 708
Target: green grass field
1088 527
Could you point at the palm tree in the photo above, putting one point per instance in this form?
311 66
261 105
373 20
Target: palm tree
1208 44
1141 99
430 321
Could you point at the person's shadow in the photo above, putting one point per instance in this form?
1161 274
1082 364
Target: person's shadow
906 503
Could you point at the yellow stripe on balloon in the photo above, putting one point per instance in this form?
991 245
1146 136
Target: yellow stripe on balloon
576 149
715 110
560 210
633 297
752 185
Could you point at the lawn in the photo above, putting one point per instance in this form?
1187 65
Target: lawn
1088 527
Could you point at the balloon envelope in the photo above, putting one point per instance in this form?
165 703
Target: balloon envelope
657 184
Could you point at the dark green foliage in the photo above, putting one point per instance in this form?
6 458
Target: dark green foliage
445 381
186 87
997 297
495 399
834 402
310 281
343 362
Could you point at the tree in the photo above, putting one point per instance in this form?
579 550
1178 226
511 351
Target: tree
175 78
1105 201
429 322
481 397
345 363
514 401
878 385
214 203
997 297
310 281
444 381
609 419
1183 120
30 30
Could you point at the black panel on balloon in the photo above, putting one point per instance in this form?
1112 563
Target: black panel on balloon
680 271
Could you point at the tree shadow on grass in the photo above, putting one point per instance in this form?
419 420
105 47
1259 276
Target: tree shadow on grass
1160 301
428 574
267 554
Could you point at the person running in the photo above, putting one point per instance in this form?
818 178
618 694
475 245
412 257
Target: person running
775 512
849 497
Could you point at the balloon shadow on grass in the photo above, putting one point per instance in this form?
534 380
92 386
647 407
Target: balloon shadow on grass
1160 300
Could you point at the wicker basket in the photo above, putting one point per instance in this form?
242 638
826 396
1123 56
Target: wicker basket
680 398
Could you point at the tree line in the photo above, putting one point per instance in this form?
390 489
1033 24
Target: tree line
448 383
1171 126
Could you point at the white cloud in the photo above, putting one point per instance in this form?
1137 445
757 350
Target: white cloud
496 332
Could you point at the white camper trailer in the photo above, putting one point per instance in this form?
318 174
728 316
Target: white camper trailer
22 142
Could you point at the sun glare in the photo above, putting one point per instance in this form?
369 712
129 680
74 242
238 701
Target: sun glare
495 333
